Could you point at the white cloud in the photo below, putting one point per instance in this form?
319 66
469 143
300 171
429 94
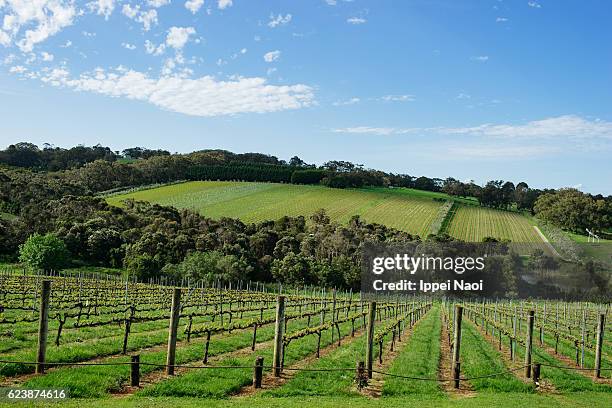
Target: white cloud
497 151
350 101
153 49
223 4
480 58
272 56
331 2
44 18
534 4
270 71
356 20
88 34
243 51
178 36
463 95
18 69
146 18
560 127
5 39
128 46
67 44
501 19
194 5
398 98
204 96
279 20
102 7
46 56
158 3
382 131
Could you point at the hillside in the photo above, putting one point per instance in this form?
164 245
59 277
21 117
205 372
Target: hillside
401 208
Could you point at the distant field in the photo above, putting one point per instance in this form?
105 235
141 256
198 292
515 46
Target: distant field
405 209
252 202
475 223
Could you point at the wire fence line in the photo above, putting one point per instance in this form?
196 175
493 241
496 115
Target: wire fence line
346 369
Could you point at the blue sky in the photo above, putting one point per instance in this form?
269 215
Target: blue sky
513 90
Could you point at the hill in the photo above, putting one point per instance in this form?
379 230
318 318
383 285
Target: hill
405 209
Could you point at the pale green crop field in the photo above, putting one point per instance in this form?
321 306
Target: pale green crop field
475 223
404 209
253 202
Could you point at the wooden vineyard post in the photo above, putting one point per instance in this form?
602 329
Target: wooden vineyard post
258 372
174 321
254 337
582 337
457 344
529 343
370 338
135 371
43 326
600 334
536 374
360 375
333 319
279 330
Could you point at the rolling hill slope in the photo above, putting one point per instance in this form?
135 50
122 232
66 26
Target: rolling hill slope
404 209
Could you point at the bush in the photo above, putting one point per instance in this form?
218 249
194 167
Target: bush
307 176
44 252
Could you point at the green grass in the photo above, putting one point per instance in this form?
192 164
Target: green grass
474 223
419 358
97 381
220 383
405 209
83 344
479 358
505 400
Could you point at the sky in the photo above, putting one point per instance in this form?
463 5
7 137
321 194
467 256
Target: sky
477 90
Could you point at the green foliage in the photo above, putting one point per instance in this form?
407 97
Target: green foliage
292 269
309 176
575 211
44 252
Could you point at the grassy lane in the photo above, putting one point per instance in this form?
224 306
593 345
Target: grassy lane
479 358
563 380
94 347
97 381
220 383
336 383
418 359
568 350
502 400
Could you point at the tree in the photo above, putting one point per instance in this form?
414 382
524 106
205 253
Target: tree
295 161
292 269
44 252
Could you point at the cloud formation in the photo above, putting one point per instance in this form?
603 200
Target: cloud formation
194 5
356 20
272 56
43 19
279 20
204 96
558 128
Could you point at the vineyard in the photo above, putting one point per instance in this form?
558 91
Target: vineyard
127 341
403 209
472 224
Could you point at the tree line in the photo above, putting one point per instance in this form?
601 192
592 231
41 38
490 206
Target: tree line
32 174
